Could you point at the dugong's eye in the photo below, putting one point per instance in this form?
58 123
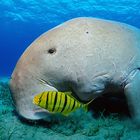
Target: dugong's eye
52 51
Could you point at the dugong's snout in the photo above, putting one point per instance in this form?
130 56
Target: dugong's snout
23 93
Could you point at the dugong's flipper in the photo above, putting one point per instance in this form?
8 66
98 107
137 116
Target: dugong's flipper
132 92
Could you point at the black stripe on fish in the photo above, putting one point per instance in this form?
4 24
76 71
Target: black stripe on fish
55 99
50 103
64 103
47 101
59 103
57 106
73 105
69 105
40 98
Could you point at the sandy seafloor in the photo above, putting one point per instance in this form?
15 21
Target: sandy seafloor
77 126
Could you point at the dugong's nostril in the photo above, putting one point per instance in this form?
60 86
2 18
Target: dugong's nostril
52 50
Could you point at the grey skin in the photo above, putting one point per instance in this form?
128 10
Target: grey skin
84 55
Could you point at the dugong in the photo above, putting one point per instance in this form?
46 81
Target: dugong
88 56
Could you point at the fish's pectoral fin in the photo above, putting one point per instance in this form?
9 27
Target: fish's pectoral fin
68 93
65 114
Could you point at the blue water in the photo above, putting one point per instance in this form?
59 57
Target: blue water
22 21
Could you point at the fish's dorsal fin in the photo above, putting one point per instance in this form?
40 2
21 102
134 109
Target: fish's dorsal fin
69 93
66 114
42 81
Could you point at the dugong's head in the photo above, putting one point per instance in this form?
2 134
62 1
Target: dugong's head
51 62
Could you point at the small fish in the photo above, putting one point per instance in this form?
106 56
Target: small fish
59 102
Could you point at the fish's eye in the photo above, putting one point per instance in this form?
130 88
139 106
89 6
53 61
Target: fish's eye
52 51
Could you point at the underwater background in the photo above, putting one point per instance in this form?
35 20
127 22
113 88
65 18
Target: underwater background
21 22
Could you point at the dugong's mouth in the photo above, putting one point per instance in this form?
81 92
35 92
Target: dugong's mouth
49 84
40 112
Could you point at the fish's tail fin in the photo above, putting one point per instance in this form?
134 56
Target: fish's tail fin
85 106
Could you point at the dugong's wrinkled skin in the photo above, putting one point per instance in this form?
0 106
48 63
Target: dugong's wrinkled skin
89 55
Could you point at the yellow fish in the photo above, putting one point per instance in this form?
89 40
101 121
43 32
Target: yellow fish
59 102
